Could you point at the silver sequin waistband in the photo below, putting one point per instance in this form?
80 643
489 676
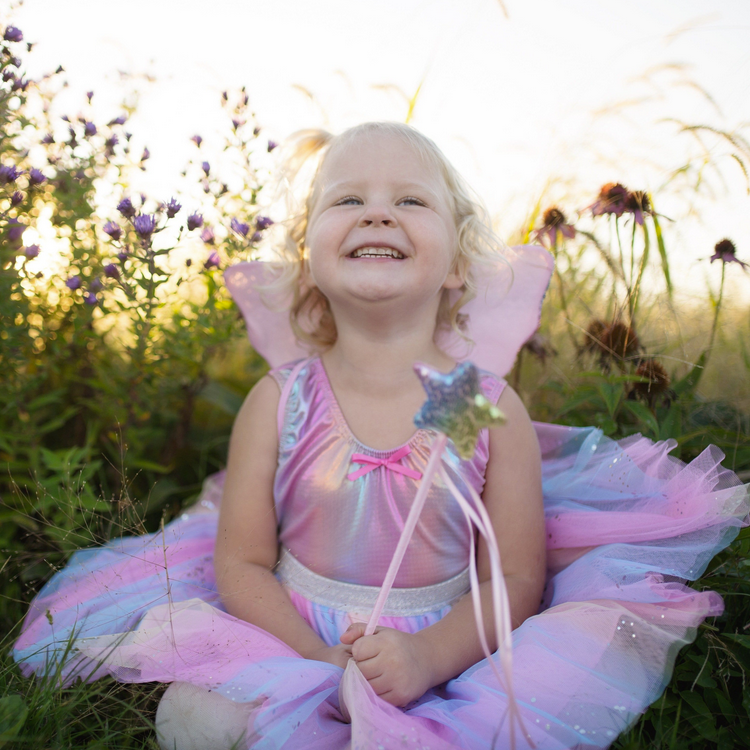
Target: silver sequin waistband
352 597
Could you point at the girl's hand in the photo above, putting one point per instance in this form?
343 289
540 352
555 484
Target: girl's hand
396 664
338 655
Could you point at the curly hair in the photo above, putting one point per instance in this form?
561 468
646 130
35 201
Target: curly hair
305 156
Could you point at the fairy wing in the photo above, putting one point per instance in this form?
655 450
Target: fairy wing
504 314
266 314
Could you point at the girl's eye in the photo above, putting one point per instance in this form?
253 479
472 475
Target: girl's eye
410 201
350 200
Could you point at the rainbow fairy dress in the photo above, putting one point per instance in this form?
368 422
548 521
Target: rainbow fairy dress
627 526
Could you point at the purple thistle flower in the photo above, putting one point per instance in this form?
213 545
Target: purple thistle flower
112 141
16 198
145 155
73 283
123 255
36 177
194 221
240 227
89 96
144 225
272 145
189 262
9 173
89 298
65 118
60 69
89 129
15 230
111 271
257 237
224 95
8 74
96 284
197 140
118 120
113 229
206 167
13 34
212 261
237 123
31 251
16 62
207 235
126 208
725 252
20 84
173 208
49 138
256 131
263 222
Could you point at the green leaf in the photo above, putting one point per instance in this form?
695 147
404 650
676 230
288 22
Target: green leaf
662 251
690 381
671 426
643 414
703 719
612 394
13 712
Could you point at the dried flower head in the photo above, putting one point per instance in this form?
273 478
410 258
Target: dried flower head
615 340
725 252
638 203
611 200
555 223
657 380
212 261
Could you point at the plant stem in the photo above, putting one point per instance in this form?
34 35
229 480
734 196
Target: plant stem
716 312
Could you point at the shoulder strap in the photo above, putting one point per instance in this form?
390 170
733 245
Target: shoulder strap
285 391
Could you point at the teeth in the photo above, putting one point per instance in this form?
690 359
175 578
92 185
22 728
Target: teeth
377 252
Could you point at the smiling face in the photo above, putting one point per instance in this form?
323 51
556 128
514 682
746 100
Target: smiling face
381 228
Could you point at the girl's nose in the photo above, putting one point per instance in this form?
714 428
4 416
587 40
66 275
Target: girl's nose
376 214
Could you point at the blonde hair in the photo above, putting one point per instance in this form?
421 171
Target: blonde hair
308 149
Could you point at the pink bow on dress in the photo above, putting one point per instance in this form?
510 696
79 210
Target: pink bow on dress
372 463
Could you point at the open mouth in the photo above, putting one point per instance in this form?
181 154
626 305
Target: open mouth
376 252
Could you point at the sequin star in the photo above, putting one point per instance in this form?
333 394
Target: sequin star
455 406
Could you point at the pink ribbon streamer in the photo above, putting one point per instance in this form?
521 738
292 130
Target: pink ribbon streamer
476 514
372 463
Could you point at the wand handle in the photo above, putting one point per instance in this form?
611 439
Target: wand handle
411 522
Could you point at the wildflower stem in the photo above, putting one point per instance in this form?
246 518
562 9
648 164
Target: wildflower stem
717 310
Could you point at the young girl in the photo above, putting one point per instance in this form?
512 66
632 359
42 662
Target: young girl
254 612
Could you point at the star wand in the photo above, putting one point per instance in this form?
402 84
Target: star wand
455 408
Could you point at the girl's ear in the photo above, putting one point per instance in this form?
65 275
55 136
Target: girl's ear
458 274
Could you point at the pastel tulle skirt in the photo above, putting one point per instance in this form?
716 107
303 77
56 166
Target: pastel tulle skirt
627 525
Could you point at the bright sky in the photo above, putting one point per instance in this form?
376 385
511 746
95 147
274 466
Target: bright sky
514 102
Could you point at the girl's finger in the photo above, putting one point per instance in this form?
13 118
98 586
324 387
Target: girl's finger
370 669
365 648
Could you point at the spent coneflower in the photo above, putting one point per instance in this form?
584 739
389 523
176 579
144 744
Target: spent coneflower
615 340
656 381
555 223
638 203
611 200
725 252
540 347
